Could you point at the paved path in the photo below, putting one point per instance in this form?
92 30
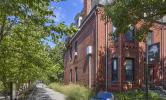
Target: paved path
42 92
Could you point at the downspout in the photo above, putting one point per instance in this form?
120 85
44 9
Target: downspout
90 72
96 49
164 81
106 53
120 61
162 54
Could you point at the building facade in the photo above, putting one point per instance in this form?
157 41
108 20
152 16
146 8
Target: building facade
100 60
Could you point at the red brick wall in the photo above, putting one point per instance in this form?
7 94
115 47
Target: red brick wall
95 27
159 35
85 37
87 7
100 51
121 49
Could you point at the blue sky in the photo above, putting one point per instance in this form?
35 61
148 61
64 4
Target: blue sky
65 11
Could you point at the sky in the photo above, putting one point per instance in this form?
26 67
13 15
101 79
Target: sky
65 11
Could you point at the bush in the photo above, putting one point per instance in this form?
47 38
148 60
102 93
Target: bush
73 92
137 95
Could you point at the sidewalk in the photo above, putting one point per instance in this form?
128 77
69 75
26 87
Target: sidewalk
42 92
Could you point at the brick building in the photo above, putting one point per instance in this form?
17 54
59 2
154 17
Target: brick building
98 59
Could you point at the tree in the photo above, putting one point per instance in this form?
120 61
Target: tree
23 56
34 10
56 71
124 13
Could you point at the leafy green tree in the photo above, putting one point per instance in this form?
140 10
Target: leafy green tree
23 56
56 72
23 33
124 13
35 10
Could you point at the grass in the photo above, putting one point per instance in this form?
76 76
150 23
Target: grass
78 92
73 92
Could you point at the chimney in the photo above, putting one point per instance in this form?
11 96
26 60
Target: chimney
87 7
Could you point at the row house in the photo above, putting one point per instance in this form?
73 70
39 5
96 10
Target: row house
100 60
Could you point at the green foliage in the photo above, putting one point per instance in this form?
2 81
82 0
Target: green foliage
37 11
73 92
23 33
23 57
56 71
137 95
129 12
1 87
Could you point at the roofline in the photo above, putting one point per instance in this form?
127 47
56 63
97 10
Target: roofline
85 20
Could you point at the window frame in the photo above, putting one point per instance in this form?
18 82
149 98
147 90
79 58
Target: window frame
130 39
76 46
115 72
133 70
150 37
114 36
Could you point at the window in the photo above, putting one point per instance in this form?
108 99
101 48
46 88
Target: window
91 5
76 74
71 53
129 35
129 69
75 46
114 69
114 35
70 75
150 39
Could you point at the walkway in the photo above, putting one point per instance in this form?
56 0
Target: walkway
42 92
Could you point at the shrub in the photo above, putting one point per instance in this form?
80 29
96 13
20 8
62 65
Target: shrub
72 91
137 95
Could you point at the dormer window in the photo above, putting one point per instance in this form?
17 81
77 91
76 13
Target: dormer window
114 35
129 36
